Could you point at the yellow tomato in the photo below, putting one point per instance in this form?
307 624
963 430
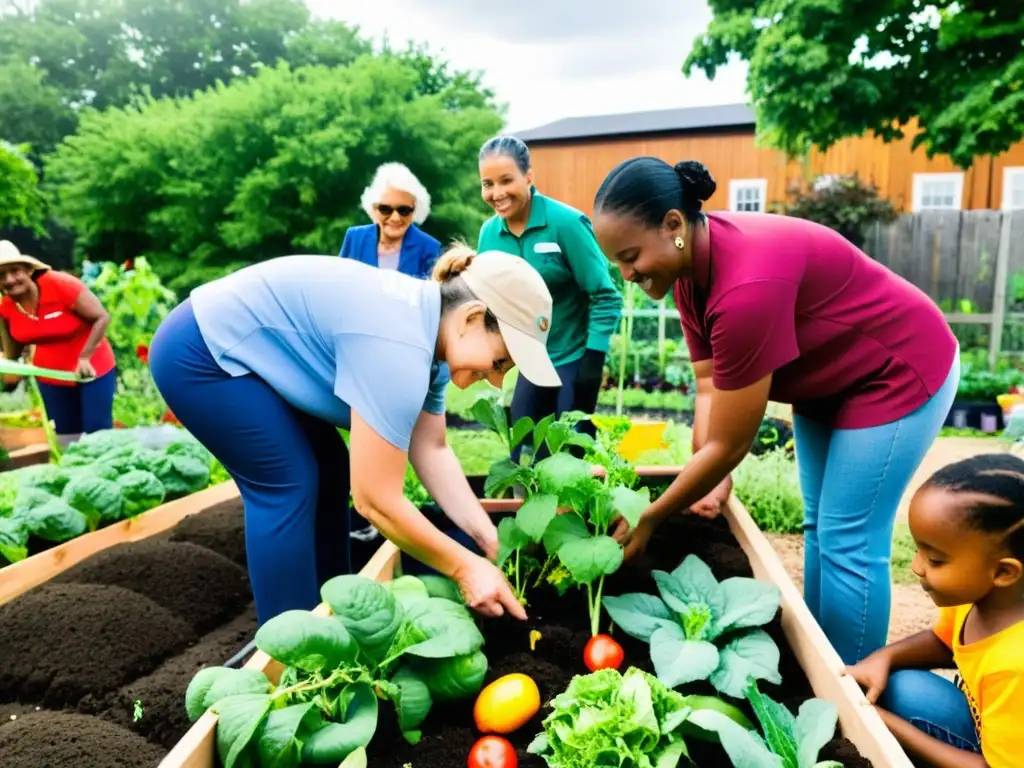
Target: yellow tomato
506 704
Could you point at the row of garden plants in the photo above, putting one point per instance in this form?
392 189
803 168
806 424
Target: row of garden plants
103 478
406 658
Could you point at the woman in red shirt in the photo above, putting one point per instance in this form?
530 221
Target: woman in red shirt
783 309
65 322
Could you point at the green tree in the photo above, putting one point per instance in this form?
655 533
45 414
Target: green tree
21 202
821 70
262 167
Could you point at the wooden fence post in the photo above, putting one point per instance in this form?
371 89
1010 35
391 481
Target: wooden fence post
995 342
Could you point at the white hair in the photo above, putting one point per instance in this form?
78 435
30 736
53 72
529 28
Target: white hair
400 177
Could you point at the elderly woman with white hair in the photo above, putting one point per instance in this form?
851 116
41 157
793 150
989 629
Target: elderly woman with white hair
396 202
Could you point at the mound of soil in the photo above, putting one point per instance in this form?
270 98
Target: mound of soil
162 693
192 582
563 623
45 739
62 642
220 528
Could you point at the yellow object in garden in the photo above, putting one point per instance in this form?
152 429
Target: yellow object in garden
641 438
1006 402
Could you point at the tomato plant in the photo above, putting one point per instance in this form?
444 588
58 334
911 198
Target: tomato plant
506 704
602 652
493 752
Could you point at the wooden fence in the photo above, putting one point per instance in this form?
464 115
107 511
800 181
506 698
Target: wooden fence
971 263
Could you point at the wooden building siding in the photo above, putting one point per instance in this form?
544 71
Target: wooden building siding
572 170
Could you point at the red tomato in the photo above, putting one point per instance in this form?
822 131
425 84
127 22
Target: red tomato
493 752
602 652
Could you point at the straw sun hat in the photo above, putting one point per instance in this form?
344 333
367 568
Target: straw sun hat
9 254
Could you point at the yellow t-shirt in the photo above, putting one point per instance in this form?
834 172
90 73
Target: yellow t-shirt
992 679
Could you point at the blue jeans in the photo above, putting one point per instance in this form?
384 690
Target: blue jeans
932 704
292 469
85 407
852 481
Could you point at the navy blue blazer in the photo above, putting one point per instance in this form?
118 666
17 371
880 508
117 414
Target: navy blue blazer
419 250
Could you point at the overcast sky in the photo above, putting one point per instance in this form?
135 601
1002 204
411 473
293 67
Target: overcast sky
549 59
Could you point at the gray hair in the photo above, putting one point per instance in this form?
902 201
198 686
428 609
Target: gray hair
400 177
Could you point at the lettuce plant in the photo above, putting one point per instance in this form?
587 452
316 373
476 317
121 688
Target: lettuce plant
789 742
629 720
401 643
700 629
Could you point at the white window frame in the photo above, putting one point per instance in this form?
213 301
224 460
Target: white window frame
738 185
920 179
1010 174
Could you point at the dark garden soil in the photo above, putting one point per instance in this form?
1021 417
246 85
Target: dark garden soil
449 732
130 624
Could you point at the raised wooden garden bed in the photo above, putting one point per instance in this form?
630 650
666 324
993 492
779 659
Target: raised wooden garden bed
26 456
732 546
13 438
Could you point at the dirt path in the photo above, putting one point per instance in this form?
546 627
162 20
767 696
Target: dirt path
912 610
946 450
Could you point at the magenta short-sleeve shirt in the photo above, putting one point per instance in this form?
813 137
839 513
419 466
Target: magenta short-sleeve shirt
849 343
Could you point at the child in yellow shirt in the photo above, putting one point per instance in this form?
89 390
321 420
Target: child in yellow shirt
968 523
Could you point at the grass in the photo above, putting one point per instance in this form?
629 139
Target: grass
903 550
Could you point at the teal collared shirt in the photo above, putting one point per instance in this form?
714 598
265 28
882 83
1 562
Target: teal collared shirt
559 243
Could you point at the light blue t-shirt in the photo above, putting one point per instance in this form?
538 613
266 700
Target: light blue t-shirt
331 335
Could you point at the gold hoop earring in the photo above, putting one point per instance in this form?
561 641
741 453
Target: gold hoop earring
679 242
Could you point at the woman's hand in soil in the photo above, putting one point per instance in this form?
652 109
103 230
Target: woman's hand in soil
872 674
633 540
712 505
486 590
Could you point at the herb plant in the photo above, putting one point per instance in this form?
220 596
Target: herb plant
700 629
400 643
789 742
629 720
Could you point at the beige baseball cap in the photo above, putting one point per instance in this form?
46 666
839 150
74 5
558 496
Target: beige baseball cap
517 296
9 254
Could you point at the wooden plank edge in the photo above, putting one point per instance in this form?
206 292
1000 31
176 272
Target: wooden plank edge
198 747
19 577
28 456
821 663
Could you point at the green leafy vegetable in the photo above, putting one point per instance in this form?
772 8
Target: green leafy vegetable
693 616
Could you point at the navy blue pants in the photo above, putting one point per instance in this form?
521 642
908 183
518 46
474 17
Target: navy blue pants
85 407
291 468
538 402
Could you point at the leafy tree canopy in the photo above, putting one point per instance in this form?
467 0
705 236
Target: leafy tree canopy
21 202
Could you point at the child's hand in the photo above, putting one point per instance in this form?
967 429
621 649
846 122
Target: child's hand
872 674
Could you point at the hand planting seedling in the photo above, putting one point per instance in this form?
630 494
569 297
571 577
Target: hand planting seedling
630 720
693 628
396 643
789 742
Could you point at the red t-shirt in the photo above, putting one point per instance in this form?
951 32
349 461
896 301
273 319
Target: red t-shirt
57 332
849 343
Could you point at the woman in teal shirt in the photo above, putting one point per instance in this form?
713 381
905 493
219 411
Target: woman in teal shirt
558 241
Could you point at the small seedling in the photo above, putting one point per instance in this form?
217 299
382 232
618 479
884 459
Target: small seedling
137 711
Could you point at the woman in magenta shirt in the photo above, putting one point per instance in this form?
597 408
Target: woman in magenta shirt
783 309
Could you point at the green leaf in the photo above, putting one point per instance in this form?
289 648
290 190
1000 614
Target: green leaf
777 724
413 701
303 640
814 728
335 741
490 412
504 474
536 514
745 748
238 719
56 521
95 497
692 583
588 559
510 538
678 660
456 677
142 491
630 504
523 426
638 614
408 590
277 742
13 540
447 632
559 472
440 586
234 682
670 756
540 744
753 655
562 530
367 609
199 686
356 759
540 432
746 603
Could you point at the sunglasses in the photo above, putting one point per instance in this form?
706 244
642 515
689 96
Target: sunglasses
387 210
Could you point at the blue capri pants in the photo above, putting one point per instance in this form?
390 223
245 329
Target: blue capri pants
291 468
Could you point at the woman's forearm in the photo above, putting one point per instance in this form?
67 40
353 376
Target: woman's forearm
923 650
702 474
443 477
96 333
